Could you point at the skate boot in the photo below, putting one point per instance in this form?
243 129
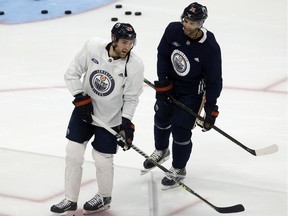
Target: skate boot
176 175
159 156
96 204
65 207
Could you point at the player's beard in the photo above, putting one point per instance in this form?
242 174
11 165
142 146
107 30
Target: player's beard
116 53
120 53
193 33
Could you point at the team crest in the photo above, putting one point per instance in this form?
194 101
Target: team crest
180 63
101 82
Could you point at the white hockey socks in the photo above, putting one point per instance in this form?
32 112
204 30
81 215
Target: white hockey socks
73 171
104 172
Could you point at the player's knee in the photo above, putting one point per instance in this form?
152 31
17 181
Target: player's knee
75 152
102 160
181 136
161 123
184 142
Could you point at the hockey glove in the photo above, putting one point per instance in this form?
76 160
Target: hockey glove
209 118
163 90
83 107
127 129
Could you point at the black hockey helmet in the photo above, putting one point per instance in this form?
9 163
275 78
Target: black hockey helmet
195 12
123 30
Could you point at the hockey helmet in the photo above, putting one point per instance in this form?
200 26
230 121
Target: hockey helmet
123 30
195 12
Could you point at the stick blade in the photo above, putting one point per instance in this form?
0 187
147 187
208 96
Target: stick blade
144 171
268 150
231 209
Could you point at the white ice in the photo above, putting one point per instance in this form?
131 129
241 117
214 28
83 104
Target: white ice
36 106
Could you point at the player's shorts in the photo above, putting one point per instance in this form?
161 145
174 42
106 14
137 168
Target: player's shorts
81 131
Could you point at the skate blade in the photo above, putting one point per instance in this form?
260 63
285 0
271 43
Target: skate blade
104 208
68 213
145 171
164 187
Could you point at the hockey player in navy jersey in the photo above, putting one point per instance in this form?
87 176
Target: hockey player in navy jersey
188 68
106 79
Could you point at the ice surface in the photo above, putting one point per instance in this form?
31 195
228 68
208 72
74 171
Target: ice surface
36 106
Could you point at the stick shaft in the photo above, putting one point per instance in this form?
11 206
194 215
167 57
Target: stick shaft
268 150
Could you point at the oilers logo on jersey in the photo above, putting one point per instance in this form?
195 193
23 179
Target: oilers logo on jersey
180 62
101 82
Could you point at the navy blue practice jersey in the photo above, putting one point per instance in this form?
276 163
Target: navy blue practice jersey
187 63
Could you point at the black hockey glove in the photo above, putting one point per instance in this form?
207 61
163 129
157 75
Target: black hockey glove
209 118
83 107
127 129
163 90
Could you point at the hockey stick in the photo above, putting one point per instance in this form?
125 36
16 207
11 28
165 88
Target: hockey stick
259 152
229 209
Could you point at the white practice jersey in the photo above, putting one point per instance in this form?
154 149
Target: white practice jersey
101 77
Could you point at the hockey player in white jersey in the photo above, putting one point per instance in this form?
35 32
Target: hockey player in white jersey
106 79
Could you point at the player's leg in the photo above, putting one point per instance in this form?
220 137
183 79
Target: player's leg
78 134
162 130
104 146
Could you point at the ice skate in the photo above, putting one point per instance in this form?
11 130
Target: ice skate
96 204
159 156
65 207
174 176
